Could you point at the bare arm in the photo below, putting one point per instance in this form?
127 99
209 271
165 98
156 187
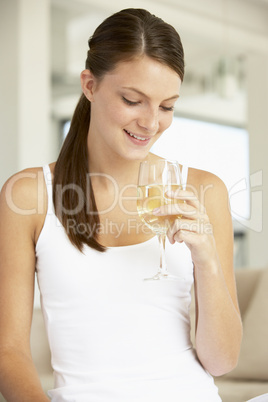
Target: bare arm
210 239
218 321
206 228
18 376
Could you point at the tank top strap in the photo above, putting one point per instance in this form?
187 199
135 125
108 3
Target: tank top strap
48 181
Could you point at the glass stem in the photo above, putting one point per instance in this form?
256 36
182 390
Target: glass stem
163 265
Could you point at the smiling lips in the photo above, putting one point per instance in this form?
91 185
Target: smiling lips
136 136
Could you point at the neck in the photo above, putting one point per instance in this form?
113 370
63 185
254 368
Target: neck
113 168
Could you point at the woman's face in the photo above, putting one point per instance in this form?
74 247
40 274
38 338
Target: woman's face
131 107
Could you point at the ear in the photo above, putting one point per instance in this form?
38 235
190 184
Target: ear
88 84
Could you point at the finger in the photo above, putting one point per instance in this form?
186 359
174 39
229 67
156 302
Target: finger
187 196
199 227
181 194
183 236
179 208
190 214
180 236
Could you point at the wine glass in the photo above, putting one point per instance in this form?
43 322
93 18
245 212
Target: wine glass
155 182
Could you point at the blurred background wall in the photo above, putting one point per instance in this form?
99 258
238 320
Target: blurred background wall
43 49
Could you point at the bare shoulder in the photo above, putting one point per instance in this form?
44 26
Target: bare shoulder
198 177
209 188
23 200
22 191
25 189
24 179
213 195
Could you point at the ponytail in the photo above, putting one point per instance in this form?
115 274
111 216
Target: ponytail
73 196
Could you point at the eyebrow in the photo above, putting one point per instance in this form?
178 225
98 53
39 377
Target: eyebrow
143 94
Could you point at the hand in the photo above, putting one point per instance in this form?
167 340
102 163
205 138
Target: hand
192 227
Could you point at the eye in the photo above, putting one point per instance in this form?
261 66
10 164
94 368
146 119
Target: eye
128 102
167 109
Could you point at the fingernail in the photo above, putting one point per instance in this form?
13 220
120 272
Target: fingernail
171 240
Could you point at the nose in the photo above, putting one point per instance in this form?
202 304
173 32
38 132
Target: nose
149 120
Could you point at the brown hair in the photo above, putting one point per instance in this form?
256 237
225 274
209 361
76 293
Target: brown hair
123 36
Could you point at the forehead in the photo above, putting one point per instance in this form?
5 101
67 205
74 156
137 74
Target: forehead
145 74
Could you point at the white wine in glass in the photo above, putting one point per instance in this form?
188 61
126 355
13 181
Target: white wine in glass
155 183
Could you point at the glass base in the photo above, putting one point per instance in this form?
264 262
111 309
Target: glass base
164 277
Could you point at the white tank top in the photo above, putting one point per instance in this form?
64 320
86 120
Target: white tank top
113 336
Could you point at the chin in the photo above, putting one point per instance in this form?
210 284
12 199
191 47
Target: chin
136 156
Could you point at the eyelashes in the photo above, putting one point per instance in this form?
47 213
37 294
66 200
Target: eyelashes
167 109
128 102
131 103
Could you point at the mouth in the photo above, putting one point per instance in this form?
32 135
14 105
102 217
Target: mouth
136 137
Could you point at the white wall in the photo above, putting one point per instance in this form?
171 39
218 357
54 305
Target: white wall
258 130
8 89
26 138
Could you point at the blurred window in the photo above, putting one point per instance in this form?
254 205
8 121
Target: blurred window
220 149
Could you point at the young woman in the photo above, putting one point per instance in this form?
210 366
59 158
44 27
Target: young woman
113 336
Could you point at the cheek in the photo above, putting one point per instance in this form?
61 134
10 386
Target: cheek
107 109
165 121
122 116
